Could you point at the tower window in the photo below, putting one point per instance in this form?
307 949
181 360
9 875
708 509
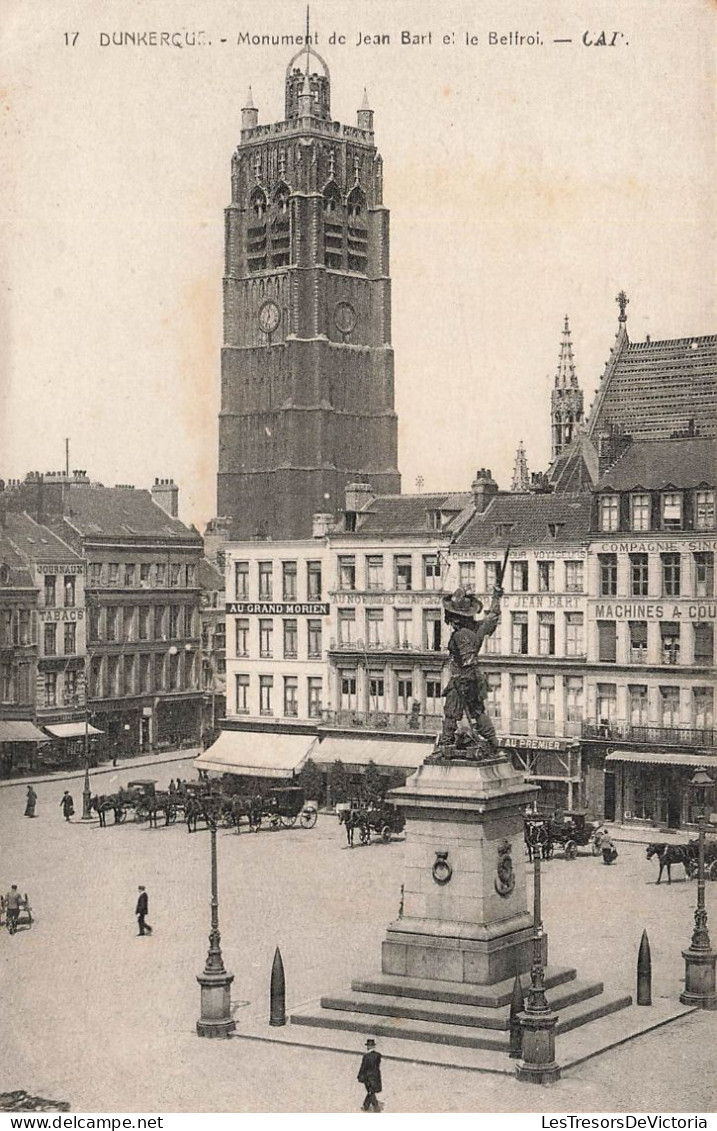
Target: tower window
256 231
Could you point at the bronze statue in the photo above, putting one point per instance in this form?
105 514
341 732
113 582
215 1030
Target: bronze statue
467 690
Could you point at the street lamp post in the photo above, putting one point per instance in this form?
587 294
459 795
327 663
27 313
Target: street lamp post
699 957
215 1018
537 1021
86 792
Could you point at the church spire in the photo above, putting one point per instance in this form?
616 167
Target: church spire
566 402
521 479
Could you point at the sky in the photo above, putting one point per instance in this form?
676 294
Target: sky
525 182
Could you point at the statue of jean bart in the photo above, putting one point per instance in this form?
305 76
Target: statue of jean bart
466 692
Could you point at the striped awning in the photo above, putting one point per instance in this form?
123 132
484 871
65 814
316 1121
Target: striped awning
383 752
664 758
257 754
71 730
19 730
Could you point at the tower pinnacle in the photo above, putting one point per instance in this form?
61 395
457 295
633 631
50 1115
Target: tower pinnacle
521 479
566 402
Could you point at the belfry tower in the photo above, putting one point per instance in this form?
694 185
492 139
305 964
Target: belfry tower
566 402
307 402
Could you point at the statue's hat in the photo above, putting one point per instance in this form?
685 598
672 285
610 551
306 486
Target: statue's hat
462 604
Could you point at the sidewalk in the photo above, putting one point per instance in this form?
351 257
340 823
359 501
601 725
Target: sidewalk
106 767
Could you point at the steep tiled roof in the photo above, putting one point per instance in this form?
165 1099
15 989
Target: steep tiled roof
662 463
210 579
19 575
576 468
408 514
121 512
37 543
531 519
652 389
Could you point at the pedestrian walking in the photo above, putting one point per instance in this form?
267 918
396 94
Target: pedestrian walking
12 908
370 1076
141 911
67 805
30 802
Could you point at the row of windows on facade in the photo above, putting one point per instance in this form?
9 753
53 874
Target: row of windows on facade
672 575
314 685
17 628
58 688
289 581
671 636
117 676
645 513
147 574
56 591
515 713
116 623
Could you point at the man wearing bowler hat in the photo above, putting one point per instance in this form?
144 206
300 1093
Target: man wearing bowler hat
467 689
370 1076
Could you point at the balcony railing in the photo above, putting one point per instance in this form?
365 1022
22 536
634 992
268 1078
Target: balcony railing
383 720
666 736
383 646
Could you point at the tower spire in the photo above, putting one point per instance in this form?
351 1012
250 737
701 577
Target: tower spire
565 376
521 479
566 402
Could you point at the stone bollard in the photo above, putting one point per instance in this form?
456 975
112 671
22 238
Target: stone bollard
516 1008
644 972
277 993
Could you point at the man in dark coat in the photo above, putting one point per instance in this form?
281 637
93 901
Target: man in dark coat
467 689
68 805
30 802
141 911
370 1076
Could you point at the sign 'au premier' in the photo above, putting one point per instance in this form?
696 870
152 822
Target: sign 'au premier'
279 608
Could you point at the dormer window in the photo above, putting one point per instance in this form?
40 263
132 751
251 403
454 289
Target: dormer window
609 512
434 520
503 529
640 511
672 510
555 529
704 510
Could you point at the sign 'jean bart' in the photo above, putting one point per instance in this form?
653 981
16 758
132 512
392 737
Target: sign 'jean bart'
467 690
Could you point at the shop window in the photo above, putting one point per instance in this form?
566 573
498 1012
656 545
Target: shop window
704 574
607 641
640 512
672 510
704 510
638 575
574 577
546 577
242 694
574 634
347 572
519 577
291 639
288 581
638 641
670 575
607 564
546 634
609 509
266 692
241 581
704 644
519 634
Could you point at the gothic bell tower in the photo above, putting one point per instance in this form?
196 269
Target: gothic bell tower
307 400
566 402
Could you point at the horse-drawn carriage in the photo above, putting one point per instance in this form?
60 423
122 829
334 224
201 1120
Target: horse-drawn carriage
685 854
281 807
569 829
378 817
141 797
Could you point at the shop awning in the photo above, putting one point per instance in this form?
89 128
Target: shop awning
71 730
19 730
661 758
361 751
257 754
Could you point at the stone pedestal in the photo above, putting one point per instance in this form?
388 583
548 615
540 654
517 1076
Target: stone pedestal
699 978
465 916
538 1065
216 1019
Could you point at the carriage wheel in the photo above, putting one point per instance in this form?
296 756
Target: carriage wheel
712 873
571 850
121 816
287 821
308 818
386 834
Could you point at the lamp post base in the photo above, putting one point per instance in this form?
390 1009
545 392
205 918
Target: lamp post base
538 1065
215 1019
699 988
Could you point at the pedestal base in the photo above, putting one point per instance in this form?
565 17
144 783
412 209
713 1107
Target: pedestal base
215 1019
699 988
453 952
538 1065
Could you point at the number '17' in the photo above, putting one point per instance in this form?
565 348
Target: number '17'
71 38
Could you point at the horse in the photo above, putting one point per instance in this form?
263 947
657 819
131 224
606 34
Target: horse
538 835
103 803
669 854
354 819
193 810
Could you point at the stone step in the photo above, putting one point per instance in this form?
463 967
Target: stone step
431 989
438 1032
454 1013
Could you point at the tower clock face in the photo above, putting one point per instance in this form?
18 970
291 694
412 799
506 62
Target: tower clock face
269 317
345 317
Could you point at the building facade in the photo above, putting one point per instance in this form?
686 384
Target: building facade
213 642
650 696
19 736
307 394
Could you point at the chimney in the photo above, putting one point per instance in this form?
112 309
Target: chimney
166 495
358 495
321 524
484 487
